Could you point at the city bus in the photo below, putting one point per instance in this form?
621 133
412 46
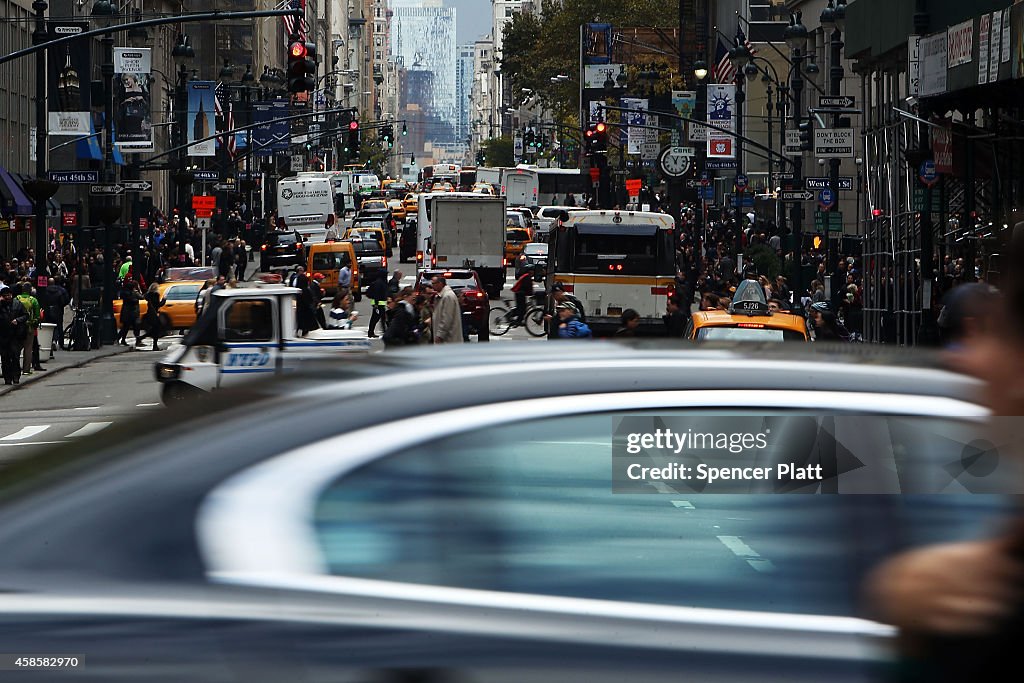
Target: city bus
615 260
439 173
554 183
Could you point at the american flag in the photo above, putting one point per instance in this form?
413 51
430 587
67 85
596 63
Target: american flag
289 21
227 119
725 72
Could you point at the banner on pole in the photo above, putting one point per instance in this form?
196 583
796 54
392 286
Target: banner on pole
721 113
133 120
200 122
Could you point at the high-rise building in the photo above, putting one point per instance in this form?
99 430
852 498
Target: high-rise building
463 90
423 35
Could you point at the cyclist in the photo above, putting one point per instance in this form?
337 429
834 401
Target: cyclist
523 289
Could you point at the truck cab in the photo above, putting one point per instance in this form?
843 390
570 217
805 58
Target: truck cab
247 333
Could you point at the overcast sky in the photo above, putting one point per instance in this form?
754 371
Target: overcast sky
473 17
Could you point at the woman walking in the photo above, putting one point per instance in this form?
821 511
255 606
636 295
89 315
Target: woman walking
151 321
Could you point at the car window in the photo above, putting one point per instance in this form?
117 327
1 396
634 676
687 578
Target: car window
249 321
517 235
182 292
528 507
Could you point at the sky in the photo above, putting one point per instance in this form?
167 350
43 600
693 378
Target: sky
473 19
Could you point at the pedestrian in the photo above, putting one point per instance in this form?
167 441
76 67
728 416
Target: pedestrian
151 324
57 298
13 328
395 283
401 329
316 293
227 261
447 317
31 305
215 255
344 275
570 326
341 315
630 320
241 261
377 293
675 321
332 230
305 313
130 296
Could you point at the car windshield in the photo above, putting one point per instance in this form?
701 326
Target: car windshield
282 238
536 249
366 246
517 236
456 281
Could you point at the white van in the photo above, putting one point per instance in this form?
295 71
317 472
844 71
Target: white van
305 202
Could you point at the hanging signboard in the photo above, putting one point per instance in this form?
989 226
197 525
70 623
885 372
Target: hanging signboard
721 113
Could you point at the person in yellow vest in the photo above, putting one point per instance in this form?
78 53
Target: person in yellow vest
31 305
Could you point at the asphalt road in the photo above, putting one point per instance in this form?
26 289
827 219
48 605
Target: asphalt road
79 401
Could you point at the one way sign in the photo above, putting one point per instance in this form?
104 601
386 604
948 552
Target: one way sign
138 186
106 189
843 102
796 196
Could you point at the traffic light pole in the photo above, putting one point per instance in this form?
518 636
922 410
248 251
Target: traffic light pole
797 85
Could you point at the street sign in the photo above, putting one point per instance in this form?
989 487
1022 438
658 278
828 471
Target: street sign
649 151
137 186
203 222
721 164
74 177
298 161
796 195
927 173
845 183
785 175
828 221
595 175
223 186
206 176
843 102
683 151
741 181
698 132
204 202
708 193
110 188
833 143
792 148
827 199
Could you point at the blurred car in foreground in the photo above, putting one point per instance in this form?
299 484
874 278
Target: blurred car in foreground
457 522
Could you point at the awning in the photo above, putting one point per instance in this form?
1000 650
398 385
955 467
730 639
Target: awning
22 205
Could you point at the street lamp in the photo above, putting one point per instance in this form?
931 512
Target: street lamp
796 38
104 13
834 17
183 53
41 188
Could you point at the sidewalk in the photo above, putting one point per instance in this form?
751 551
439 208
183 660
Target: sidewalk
63 360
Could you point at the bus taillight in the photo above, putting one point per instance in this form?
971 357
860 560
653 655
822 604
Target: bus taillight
419 257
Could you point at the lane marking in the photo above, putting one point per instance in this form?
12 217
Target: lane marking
25 432
685 504
742 550
90 428
29 443
145 405
88 408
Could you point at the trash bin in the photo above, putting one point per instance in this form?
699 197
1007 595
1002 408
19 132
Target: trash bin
45 338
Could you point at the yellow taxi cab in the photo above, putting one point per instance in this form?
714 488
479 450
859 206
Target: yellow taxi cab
412 204
749 318
329 258
516 239
373 233
398 209
374 204
179 313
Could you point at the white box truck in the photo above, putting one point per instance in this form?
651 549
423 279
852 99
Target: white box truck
469 232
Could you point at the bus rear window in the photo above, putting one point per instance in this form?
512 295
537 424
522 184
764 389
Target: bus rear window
637 255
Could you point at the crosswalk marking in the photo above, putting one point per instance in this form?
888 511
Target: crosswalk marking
25 433
90 428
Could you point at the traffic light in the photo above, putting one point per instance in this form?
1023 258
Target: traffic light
816 242
806 128
601 137
301 66
480 159
387 133
353 138
590 138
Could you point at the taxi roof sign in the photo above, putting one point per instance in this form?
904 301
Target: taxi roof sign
749 299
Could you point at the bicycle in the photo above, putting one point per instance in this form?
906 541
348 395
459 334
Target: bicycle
79 334
501 319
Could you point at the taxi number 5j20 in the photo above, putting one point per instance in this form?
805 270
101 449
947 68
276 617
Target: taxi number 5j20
248 359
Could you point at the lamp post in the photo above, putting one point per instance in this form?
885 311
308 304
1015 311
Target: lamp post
40 188
740 58
833 17
182 54
700 72
796 39
104 13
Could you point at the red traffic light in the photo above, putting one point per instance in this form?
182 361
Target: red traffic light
353 125
876 212
297 50
590 133
601 127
